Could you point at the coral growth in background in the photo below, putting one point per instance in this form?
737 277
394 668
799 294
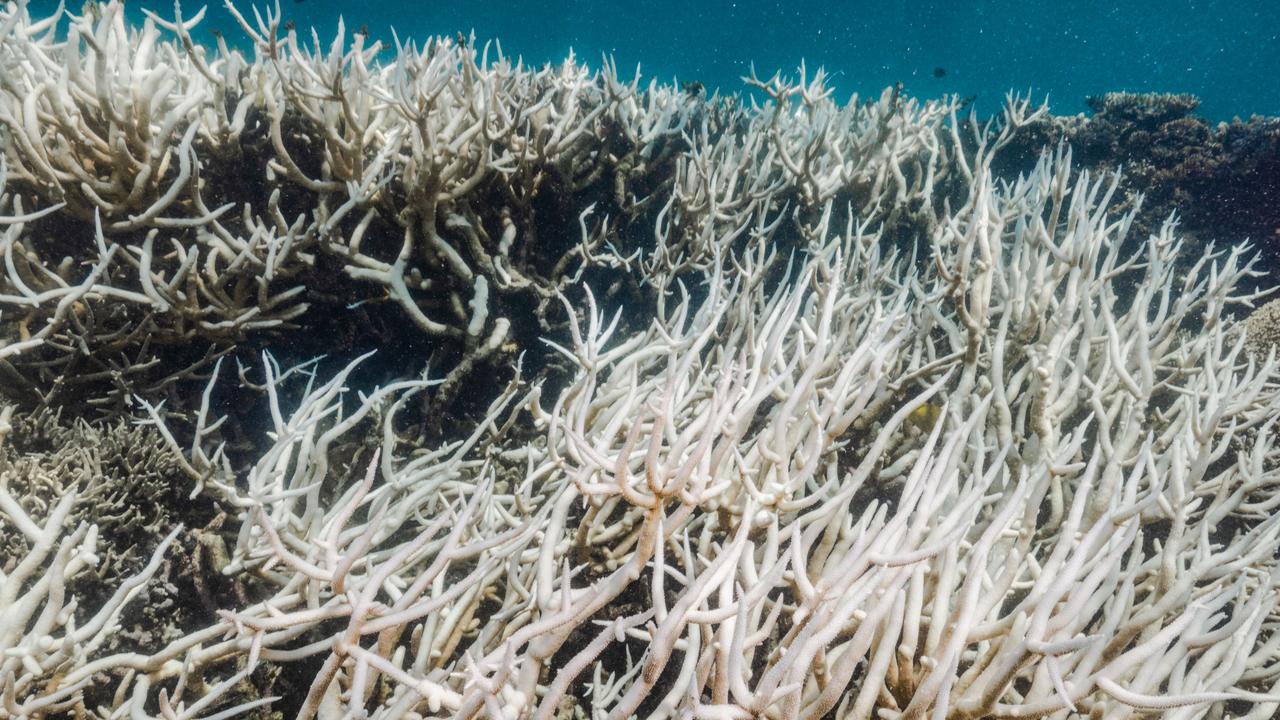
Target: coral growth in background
1222 180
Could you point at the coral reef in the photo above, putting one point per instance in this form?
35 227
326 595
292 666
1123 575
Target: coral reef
681 406
1222 180
1262 330
126 481
199 206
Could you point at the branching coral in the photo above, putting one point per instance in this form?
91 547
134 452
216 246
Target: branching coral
727 507
223 197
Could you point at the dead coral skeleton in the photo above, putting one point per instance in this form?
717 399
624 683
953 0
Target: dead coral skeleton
731 512
221 194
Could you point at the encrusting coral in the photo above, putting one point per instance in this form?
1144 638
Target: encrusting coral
813 415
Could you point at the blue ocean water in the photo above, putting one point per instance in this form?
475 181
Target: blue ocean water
1227 52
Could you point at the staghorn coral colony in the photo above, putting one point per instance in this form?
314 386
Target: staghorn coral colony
760 406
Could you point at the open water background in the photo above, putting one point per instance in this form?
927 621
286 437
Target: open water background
1225 51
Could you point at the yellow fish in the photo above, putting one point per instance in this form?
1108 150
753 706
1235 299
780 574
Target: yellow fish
925 417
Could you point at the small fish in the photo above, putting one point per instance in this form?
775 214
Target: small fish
939 72
925 417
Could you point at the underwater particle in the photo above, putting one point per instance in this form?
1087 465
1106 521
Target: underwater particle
939 72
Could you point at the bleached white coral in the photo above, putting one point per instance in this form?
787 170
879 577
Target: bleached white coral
731 510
